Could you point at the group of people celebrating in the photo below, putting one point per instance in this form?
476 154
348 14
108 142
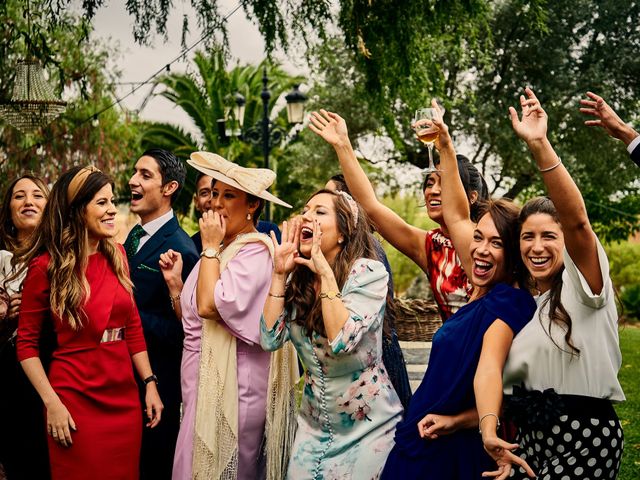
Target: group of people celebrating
178 357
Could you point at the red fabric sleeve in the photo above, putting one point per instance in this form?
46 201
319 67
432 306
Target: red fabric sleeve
134 336
35 308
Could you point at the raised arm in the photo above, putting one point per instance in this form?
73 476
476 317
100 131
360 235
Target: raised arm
579 237
607 118
171 266
406 238
212 229
283 264
457 215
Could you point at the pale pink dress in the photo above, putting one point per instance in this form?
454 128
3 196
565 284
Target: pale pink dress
239 296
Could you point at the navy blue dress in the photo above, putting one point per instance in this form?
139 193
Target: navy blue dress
447 389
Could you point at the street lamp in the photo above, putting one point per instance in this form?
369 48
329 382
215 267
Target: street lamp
265 133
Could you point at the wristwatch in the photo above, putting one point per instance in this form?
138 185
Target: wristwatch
149 379
211 253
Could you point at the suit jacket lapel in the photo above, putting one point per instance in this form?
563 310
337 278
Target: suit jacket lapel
149 251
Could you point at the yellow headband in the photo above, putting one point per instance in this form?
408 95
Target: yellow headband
78 181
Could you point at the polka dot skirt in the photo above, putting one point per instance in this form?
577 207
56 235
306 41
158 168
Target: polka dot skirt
573 448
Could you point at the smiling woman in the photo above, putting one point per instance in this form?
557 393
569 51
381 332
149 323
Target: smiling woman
100 215
78 280
431 250
561 374
438 437
20 406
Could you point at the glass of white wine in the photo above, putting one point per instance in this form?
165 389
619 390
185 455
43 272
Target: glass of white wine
426 131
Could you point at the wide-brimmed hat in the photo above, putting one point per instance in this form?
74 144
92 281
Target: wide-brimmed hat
251 180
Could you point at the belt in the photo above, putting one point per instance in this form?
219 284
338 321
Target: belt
112 335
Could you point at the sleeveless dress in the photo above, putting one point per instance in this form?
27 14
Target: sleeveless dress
447 389
449 284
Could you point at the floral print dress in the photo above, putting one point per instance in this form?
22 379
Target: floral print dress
349 409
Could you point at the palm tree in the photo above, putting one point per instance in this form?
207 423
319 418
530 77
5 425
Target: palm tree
205 97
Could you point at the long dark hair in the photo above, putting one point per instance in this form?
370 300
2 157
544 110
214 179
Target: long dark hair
8 231
472 181
63 233
300 294
504 214
557 313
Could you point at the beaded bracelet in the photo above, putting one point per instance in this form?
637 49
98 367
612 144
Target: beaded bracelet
174 299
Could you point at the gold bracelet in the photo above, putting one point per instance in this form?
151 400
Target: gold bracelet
276 296
173 300
330 295
485 416
543 170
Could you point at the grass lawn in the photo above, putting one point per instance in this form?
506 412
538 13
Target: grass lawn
629 411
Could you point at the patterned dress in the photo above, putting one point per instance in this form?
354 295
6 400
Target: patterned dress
449 284
349 408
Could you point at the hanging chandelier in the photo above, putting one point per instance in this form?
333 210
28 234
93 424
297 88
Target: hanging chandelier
32 103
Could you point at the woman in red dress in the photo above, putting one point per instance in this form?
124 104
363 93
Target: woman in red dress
78 281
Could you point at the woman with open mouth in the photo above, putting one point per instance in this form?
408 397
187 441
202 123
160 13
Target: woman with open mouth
431 250
438 438
561 374
328 295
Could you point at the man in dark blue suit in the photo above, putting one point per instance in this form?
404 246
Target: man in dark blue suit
157 179
608 119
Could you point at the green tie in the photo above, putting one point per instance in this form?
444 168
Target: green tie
133 240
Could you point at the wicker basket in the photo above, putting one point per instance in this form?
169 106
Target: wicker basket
416 320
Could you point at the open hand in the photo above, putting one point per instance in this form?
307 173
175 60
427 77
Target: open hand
502 453
286 251
533 125
317 263
330 126
607 118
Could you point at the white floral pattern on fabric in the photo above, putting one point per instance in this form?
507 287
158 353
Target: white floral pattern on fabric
349 409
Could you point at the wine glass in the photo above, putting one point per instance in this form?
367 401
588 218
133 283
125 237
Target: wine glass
426 131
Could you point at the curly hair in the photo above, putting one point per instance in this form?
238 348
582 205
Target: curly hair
300 294
63 234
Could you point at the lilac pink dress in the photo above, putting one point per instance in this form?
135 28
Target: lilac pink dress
239 297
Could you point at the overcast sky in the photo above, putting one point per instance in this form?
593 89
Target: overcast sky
138 63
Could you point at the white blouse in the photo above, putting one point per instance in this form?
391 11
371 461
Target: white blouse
7 269
535 360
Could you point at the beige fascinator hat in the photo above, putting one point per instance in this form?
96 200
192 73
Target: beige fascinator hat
251 180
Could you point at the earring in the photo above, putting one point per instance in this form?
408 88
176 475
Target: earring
248 216
340 240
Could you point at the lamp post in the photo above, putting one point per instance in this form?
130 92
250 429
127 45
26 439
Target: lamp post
265 133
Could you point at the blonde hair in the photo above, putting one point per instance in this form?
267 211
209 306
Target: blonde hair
63 234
